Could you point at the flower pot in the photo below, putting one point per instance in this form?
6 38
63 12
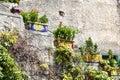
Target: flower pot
37 26
98 58
68 44
57 42
86 57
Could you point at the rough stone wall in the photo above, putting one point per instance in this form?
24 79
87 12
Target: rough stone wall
9 20
98 19
31 50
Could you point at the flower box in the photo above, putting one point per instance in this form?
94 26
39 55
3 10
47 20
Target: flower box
35 26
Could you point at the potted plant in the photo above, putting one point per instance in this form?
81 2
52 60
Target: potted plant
64 34
33 22
89 51
44 20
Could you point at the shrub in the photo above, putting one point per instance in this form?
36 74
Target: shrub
9 70
89 48
64 32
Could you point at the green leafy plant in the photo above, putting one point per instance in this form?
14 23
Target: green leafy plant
25 16
7 39
118 62
90 51
33 16
43 19
89 47
97 74
14 1
9 70
64 32
69 62
44 66
111 58
30 16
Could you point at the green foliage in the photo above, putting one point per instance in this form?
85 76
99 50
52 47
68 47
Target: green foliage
44 66
43 19
32 16
89 48
110 54
111 58
112 62
8 69
7 39
97 74
25 16
14 1
89 42
118 62
69 61
65 32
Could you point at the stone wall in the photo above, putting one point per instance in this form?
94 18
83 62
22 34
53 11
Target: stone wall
9 20
98 19
32 48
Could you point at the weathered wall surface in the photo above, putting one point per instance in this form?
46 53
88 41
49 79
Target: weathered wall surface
9 20
98 19
32 49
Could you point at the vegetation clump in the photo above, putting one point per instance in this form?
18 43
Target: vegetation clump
33 16
14 1
9 70
65 32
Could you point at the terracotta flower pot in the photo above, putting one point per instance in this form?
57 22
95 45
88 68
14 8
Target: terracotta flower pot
64 42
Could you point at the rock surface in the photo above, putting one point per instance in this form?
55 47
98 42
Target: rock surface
98 19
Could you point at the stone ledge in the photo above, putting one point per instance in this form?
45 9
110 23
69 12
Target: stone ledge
10 14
